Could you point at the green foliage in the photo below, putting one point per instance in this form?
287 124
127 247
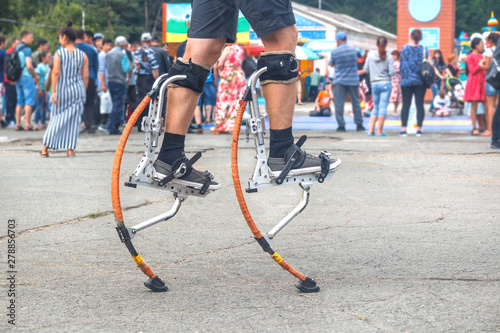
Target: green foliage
128 17
473 15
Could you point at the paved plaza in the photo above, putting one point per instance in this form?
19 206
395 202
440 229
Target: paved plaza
404 238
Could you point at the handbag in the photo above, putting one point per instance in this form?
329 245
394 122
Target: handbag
493 76
426 71
106 104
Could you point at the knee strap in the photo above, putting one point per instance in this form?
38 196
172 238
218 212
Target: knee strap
281 66
196 75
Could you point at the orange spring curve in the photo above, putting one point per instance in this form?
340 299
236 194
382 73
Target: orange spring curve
239 193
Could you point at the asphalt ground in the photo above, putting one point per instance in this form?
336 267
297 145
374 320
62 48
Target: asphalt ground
404 238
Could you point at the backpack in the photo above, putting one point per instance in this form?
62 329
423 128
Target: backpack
13 69
249 66
493 76
426 71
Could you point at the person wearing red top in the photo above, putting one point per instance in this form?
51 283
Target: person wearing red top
475 89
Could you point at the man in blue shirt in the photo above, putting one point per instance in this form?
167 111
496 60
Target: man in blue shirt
346 80
146 69
25 86
90 116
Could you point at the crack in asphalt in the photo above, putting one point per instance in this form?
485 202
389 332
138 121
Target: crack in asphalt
82 218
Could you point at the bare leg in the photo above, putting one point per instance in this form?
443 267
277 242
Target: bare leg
396 104
197 115
280 98
182 101
473 117
380 128
208 109
373 122
299 92
481 121
19 112
491 102
28 110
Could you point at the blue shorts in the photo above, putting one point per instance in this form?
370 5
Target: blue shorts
26 92
490 90
209 96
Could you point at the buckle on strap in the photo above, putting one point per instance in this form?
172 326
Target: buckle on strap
296 153
325 165
181 167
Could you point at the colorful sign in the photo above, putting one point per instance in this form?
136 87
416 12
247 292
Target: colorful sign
430 37
177 19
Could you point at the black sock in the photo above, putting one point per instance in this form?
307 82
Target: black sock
280 141
171 148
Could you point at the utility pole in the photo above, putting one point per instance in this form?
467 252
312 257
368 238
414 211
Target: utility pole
146 21
319 4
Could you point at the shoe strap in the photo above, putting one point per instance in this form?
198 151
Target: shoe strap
180 168
208 179
325 165
295 157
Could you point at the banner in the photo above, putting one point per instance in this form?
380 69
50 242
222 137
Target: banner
177 19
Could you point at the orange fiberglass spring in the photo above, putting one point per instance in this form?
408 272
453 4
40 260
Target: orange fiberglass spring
115 196
115 175
241 199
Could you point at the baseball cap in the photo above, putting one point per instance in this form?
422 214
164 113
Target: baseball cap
98 35
341 35
146 37
120 40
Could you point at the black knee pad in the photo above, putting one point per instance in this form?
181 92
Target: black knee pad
281 66
196 75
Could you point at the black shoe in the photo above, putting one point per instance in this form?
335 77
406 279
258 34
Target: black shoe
191 130
92 129
84 130
192 177
341 129
360 128
495 144
3 124
305 164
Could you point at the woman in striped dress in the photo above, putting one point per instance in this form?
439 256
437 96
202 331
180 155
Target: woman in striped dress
69 83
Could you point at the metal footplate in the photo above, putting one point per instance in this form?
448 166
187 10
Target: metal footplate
262 175
152 125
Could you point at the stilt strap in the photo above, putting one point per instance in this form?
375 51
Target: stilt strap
325 166
181 167
295 157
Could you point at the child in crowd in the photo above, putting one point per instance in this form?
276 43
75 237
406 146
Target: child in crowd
441 104
323 102
42 71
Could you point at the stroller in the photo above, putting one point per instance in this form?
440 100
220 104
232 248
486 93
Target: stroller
455 90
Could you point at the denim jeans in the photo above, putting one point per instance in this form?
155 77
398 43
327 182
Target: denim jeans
41 108
436 86
117 91
381 92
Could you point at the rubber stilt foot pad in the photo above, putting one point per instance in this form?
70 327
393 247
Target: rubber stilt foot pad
156 285
308 286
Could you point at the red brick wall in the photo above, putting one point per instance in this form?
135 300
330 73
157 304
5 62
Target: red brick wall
445 21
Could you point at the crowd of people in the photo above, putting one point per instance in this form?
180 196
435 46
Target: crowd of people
374 79
88 84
